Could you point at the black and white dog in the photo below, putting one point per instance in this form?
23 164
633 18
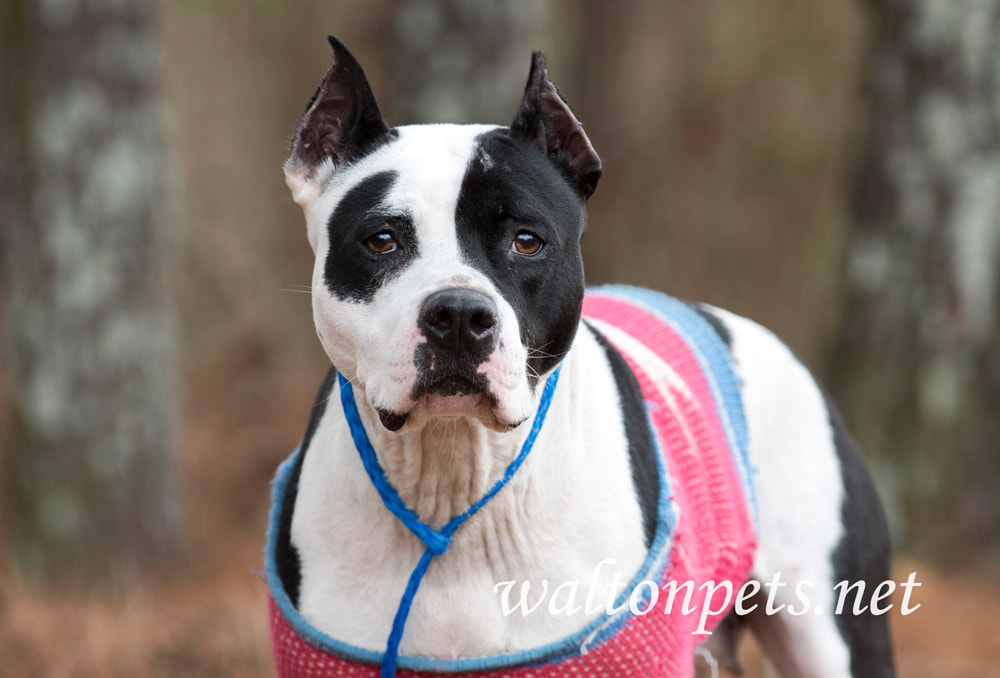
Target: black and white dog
447 286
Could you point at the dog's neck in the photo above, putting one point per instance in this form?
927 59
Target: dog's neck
446 465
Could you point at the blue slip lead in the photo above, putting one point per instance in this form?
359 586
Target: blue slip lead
437 541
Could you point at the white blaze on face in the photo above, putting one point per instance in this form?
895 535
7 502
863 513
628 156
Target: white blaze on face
373 343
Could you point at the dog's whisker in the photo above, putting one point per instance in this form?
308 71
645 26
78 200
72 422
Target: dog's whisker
324 401
541 354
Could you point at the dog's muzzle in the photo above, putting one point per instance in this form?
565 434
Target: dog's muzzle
461 327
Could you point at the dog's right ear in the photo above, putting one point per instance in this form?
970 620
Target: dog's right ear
341 122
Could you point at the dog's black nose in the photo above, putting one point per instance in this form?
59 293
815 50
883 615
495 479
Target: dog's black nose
461 320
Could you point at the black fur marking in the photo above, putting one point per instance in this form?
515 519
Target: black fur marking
352 271
286 555
447 375
713 320
511 186
862 555
641 451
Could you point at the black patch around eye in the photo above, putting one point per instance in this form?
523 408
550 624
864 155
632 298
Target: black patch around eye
352 271
509 186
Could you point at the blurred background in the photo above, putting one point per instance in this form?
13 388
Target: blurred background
830 169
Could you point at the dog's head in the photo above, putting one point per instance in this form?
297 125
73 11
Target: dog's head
448 277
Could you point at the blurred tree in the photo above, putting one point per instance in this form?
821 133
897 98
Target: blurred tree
91 490
456 61
917 364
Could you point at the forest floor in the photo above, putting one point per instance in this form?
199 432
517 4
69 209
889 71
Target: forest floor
209 618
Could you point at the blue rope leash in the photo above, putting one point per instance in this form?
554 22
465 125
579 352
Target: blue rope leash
434 540
437 541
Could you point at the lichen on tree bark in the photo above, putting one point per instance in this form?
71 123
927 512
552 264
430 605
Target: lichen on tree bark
92 374
915 367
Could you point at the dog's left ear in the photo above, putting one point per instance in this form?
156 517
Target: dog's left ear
547 120
341 121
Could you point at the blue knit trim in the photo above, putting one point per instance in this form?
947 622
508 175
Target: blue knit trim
716 363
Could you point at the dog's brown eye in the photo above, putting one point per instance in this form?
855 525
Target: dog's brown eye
526 243
381 243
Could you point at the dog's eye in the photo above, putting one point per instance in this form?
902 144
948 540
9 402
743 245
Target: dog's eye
526 242
381 243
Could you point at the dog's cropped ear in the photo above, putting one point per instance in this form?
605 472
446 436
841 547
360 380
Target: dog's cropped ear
341 121
547 120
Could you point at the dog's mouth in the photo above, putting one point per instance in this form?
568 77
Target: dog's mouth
448 395
450 389
454 395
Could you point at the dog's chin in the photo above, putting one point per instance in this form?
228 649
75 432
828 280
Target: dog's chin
457 405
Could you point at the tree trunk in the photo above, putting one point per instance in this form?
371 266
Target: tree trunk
917 364
91 487
461 61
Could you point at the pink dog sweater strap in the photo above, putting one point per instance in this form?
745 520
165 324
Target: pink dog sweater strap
705 528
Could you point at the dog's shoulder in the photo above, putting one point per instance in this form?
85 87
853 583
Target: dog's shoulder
286 555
